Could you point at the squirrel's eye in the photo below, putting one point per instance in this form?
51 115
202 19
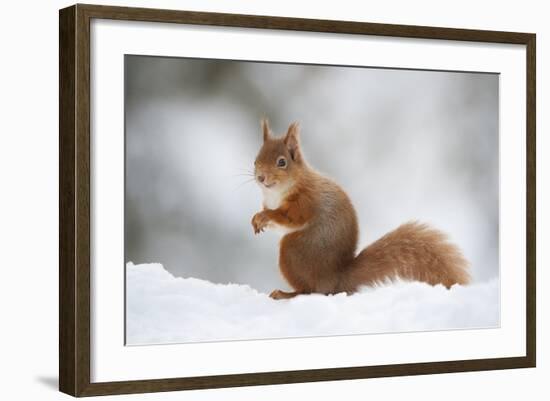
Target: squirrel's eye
281 162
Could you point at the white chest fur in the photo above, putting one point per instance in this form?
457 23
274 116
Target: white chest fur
272 200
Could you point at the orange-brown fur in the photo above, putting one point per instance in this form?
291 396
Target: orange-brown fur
317 255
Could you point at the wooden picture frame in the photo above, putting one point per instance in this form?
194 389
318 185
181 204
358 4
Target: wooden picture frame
74 200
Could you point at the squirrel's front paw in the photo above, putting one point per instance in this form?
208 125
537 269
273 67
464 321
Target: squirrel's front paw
260 222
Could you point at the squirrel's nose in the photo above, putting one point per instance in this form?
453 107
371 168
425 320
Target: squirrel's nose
261 178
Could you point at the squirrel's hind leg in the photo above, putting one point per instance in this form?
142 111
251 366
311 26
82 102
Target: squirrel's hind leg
278 294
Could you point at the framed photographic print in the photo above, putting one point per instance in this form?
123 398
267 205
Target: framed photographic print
250 200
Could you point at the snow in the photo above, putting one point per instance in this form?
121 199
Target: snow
164 309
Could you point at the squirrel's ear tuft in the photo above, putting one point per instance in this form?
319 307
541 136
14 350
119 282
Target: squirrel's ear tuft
265 129
292 140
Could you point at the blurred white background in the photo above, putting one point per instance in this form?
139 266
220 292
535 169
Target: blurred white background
404 144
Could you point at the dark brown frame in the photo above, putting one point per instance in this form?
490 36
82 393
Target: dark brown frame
74 199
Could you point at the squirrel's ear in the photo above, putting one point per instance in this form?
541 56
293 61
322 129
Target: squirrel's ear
265 129
292 140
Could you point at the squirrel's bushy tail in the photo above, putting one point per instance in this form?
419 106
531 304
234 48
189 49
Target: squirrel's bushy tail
413 251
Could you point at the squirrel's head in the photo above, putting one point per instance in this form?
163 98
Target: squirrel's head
279 161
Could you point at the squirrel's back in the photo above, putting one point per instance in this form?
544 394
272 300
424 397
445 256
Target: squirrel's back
335 215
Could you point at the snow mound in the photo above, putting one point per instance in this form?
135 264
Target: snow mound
161 308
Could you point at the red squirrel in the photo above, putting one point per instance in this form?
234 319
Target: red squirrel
318 250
